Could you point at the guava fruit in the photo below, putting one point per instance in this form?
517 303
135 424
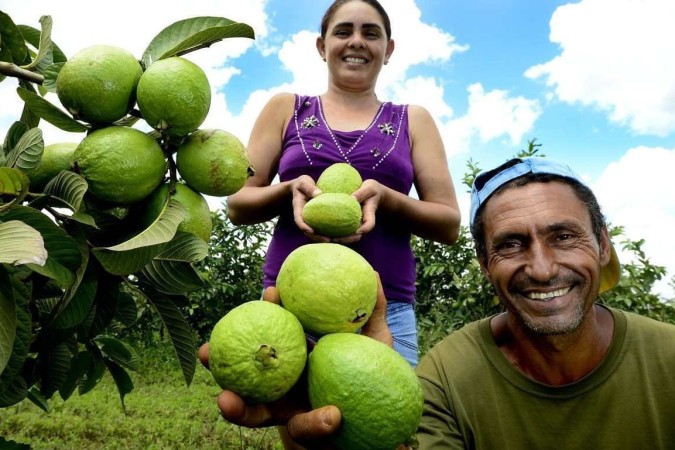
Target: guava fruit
257 350
375 388
197 218
329 287
213 162
174 95
98 84
333 214
122 165
55 158
339 177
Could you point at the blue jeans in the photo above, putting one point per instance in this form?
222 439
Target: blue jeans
403 327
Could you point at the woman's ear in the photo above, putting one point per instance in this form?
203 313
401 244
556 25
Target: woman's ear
321 47
390 50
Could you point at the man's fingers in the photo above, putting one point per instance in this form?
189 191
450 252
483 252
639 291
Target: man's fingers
315 424
204 355
271 294
377 327
235 410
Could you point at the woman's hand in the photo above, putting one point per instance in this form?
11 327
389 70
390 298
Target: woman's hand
370 195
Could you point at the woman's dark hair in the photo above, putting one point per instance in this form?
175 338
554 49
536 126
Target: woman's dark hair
583 193
328 15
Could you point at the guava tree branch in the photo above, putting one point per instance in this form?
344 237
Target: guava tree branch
12 70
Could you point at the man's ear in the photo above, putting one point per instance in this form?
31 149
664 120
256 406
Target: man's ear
483 268
605 248
321 47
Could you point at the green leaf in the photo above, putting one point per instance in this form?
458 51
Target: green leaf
11 38
56 365
13 391
93 375
60 246
28 151
13 183
21 244
78 367
162 229
190 34
51 73
181 334
13 135
125 263
122 380
118 352
172 277
13 387
33 35
44 56
80 303
184 247
35 396
11 445
8 319
47 111
127 311
68 187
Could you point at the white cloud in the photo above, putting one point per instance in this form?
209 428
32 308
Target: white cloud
490 115
616 55
636 193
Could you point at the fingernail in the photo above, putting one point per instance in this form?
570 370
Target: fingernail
327 418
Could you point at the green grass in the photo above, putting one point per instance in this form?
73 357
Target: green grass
162 413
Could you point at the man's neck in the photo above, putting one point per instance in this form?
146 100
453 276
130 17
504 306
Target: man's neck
555 360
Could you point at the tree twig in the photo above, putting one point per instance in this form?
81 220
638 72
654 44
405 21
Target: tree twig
12 70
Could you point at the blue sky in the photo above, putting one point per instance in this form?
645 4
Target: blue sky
591 80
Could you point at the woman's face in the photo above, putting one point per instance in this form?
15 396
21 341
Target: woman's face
355 46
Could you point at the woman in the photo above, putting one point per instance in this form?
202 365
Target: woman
392 146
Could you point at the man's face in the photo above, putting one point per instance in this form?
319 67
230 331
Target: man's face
542 256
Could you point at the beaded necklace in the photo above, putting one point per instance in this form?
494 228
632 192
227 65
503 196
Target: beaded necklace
385 128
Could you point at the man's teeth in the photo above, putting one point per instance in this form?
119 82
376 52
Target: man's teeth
547 295
355 60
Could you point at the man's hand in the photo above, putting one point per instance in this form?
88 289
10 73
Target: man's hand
293 410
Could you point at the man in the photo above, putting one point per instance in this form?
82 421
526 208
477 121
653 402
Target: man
556 369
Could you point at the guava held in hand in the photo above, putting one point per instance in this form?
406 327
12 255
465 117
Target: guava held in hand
174 96
98 84
213 162
329 287
257 350
333 214
375 388
339 177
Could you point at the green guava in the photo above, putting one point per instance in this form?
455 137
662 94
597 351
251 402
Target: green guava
257 350
333 214
213 162
122 165
197 218
339 177
375 388
329 287
98 84
55 158
174 95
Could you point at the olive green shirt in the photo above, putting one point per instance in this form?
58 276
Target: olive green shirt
475 399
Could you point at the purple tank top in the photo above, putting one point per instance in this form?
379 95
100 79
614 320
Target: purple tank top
380 152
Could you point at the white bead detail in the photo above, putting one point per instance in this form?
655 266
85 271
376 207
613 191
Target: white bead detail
335 141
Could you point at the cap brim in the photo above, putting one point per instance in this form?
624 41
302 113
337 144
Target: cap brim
610 274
